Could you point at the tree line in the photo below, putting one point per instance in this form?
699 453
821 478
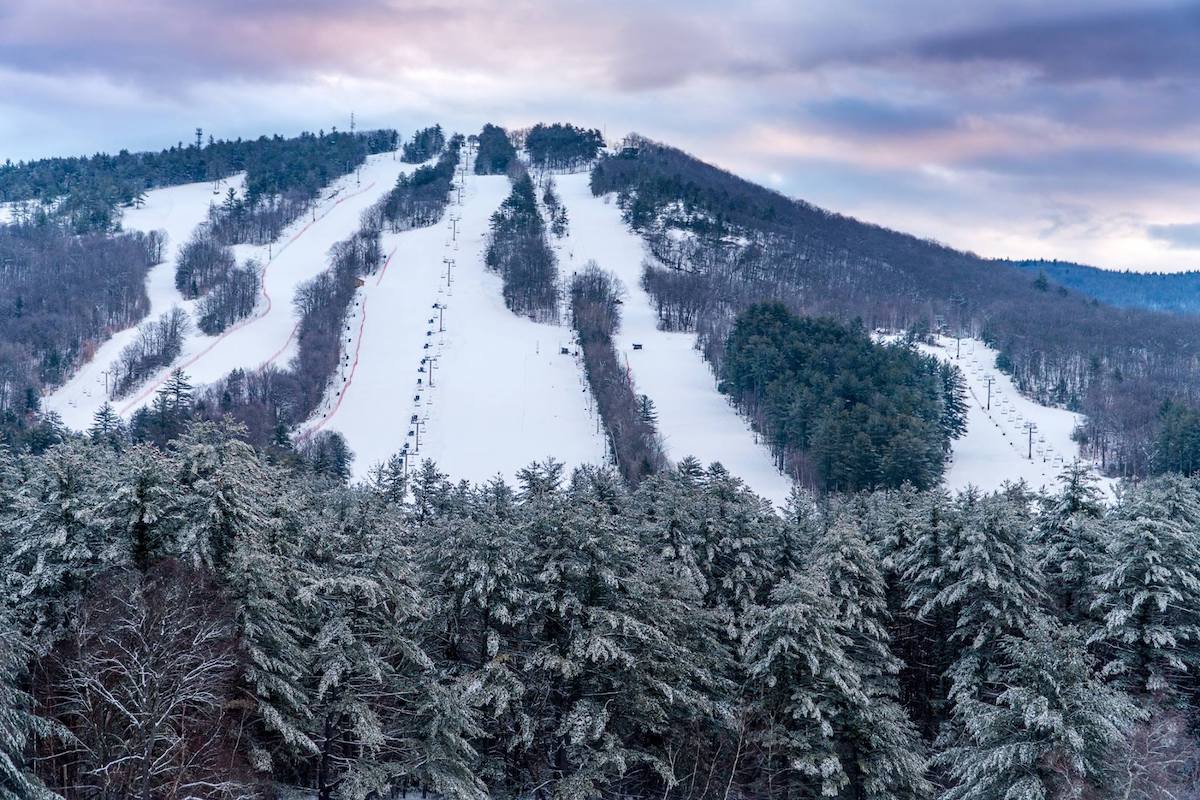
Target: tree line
839 410
201 621
424 145
727 244
629 418
61 296
495 153
561 146
419 199
517 249
89 191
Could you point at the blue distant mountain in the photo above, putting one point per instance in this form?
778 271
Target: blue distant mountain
1177 292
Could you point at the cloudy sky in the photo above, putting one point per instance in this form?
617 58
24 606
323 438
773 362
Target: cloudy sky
1024 128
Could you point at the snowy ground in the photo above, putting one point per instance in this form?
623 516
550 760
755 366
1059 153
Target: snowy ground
175 210
996 447
501 395
268 336
693 417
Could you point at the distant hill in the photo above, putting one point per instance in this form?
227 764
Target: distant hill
1177 292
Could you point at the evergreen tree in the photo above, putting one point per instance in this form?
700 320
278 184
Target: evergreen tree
1149 599
735 529
224 484
1070 546
801 682
107 427
878 745
54 543
609 649
139 509
992 588
18 723
1053 729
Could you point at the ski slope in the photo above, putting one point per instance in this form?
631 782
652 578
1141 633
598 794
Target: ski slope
996 447
269 335
501 394
693 418
175 210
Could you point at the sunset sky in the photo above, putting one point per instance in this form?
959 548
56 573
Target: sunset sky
1025 129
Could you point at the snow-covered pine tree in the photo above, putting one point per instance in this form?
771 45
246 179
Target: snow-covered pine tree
798 534
665 505
992 587
879 748
138 508
390 480
1052 729
801 681
610 648
735 530
1070 543
370 673
430 491
924 532
108 427
54 541
1148 601
18 723
224 486
476 574
234 511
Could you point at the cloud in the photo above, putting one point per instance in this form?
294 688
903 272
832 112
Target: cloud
1142 43
1180 235
949 117
865 116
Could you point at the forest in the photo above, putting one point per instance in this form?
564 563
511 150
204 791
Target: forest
1177 292
629 418
723 244
517 249
87 192
199 620
840 411
561 146
425 144
61 295
495 152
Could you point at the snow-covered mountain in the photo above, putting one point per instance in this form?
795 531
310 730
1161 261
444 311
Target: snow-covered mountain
433 363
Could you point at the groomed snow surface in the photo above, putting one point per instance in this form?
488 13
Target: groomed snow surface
176 211
266 337
996 447
446 371
693 418
502 394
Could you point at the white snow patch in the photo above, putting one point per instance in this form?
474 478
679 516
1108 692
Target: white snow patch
996 447
693 418
175 210
502 394
300 254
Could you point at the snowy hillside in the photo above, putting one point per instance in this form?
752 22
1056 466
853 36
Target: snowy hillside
693 418
176 210
267 337
502 394
443 369
997 446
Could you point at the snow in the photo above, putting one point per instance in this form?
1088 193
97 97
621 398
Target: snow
268 336
995 447
502 395
175 210
693 418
